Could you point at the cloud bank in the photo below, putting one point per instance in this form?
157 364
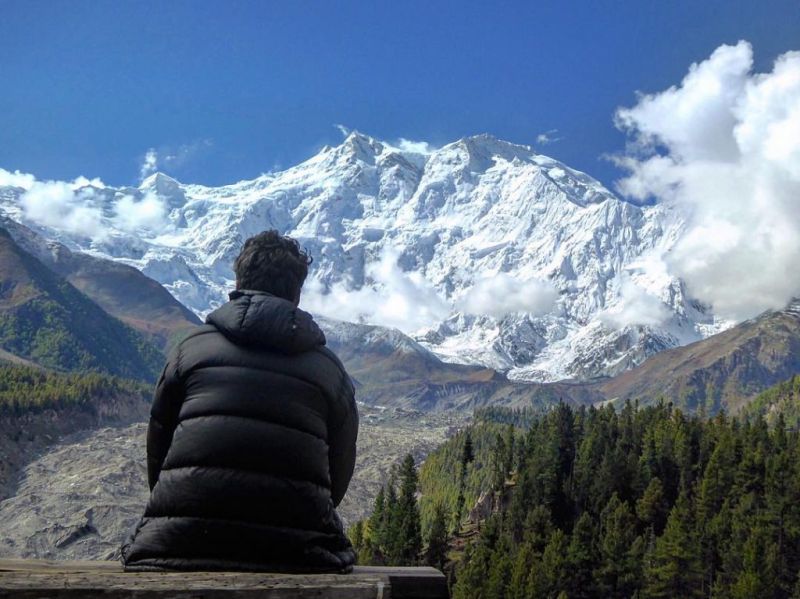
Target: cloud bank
723 147
502 294
636 307
393 298
77 208
414 147
59 205
149 212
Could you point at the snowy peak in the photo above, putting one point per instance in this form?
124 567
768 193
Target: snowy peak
486 251
484 150
165 187
361 147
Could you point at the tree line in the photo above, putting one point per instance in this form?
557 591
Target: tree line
596 502
30 389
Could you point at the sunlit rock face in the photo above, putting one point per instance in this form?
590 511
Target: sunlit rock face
486 252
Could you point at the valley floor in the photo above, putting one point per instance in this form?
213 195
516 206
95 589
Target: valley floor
81 497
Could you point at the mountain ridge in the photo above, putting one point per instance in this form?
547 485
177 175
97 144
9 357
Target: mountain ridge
45 320
488 252
120 290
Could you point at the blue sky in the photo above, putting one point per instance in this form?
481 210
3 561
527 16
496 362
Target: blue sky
233 89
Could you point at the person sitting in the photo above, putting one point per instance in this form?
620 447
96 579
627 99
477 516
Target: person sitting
252 435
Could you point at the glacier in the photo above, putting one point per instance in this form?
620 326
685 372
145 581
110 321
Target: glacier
483 251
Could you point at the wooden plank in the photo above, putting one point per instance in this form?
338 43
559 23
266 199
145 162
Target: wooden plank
26 579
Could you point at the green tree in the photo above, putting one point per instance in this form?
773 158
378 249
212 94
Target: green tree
436 553
409 537
581 559
675 570
617 574
652 507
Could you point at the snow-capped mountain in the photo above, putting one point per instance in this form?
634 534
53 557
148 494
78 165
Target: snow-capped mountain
486 251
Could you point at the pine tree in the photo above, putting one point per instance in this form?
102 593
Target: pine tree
581 559
391 536
759 574
616 575
409 536
500 569
676 570
520 572
554 563
652 507
499 463
468 454
436 554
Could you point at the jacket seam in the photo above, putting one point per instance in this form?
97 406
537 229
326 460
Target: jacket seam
260 473
342 400
244 312
255 418
323 485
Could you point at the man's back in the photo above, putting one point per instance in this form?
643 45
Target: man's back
251 445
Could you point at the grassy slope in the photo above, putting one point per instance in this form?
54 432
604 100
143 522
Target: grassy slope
781 400
46 320
121 290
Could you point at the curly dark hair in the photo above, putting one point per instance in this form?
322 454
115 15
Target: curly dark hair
273 263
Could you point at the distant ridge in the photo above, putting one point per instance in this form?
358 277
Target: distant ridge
723 371
121 290
47 321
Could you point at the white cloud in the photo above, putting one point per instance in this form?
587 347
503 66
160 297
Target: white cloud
173 158
85 182
503 294
149 164
56 204
149 212
392 298
74 207
415 147
635 307
16 179
548 137
345 131
724 147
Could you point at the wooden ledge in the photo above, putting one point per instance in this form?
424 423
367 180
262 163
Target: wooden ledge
28 579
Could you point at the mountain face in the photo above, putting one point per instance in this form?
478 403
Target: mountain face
724 371
46 321
121 290
487 252
391 370
781 401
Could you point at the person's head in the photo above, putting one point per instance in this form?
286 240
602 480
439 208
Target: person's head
273 263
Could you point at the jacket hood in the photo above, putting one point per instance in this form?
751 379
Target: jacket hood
260 319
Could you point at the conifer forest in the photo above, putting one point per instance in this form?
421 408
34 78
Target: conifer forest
597 502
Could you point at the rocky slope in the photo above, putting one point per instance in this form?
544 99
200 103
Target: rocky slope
81 497
26 434
488 252
723 371
391 369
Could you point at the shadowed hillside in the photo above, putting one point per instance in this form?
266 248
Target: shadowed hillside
121 290
46 320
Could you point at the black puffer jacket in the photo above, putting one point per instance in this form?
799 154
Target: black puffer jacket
250 447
